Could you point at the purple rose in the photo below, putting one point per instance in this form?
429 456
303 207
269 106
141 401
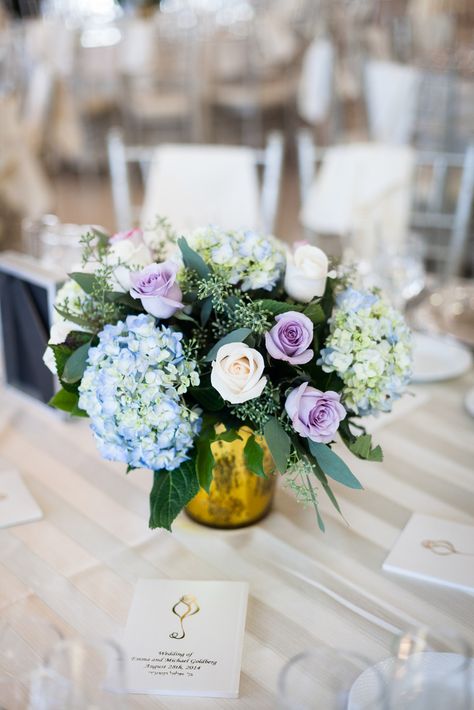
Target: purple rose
315 414
157 289
291 338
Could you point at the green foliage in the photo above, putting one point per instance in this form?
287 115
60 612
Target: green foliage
76 364
192 260
275 308
253 455
171 491
256 412
360 446
278 442
315 313
204 461
67 401
236 336
333 466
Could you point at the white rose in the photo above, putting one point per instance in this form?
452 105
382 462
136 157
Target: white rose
129 251
306 273
237 373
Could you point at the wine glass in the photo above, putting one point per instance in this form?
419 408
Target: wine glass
25 640
83 674
400 270
432 671
323 678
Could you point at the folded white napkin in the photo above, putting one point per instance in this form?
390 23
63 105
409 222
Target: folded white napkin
392 92
195 185
315 87
363 189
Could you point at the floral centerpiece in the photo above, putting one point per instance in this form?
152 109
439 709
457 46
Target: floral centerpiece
169 345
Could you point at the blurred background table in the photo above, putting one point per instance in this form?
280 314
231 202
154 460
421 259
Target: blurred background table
77 567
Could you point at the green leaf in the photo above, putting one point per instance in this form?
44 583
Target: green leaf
253 455
86 281
73 318
315 313
192 260
278 307
64 400
360 446
333 466
236 336
171 491
124 299
278 442
206 310
77 412
205 462
179 315
208 398
76 364
228 436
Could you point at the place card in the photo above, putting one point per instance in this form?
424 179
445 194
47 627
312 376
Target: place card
185 638
436 551
17 505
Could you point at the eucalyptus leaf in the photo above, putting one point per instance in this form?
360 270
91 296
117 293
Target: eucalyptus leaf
253 455
77 320
236 336
76 364
206 310
86 281
278 442
171 491
333 466
193 260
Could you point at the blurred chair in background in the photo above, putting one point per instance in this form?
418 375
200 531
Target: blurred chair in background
357 194
196 185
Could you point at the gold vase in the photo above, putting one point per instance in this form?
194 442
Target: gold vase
237 496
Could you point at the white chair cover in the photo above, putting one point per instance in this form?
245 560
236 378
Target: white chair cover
364 190
315 87
194 185
392 92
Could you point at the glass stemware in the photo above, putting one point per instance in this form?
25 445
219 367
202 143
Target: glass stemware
432 671
83 674
323 678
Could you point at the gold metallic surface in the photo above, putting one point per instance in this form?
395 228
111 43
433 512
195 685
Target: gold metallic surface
237 496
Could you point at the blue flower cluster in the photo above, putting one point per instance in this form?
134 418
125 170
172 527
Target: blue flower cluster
131 391
369 347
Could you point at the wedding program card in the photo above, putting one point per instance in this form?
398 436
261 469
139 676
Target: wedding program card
435 550
185 637
17 505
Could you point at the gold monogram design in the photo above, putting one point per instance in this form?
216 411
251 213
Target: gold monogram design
187 606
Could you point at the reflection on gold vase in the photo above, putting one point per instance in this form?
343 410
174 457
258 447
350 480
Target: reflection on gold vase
237 496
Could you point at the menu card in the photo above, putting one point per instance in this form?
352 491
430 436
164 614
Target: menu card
17 505
435 550
185 637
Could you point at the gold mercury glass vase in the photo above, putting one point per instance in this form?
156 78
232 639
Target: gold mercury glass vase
237 496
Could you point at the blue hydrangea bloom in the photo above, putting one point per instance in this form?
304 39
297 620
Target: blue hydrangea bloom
132 389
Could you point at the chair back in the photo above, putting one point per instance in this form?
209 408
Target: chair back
193 184
442 200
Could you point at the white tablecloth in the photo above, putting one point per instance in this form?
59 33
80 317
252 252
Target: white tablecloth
78 566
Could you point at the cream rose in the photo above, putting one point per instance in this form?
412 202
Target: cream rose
129 251
306 273
237 373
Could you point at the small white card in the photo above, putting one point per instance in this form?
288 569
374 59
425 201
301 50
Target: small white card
17 505
185 638
435 550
